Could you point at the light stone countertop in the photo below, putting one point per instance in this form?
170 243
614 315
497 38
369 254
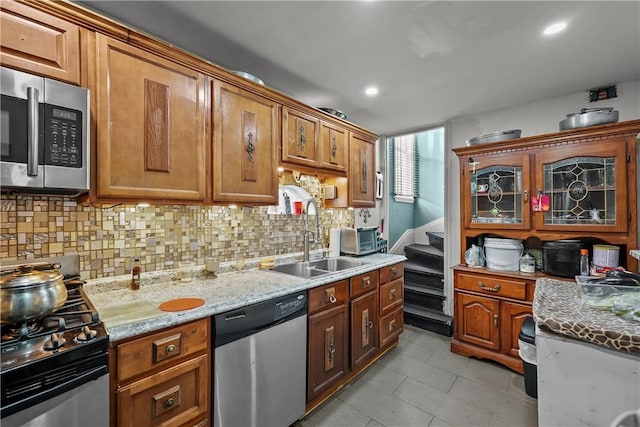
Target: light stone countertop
558 307
127 313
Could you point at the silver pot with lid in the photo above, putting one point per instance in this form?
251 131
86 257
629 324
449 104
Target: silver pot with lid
28 294
504 135
589 117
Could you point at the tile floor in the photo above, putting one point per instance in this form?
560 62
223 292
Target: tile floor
421 383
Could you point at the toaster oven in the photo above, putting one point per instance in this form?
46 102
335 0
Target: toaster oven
359 241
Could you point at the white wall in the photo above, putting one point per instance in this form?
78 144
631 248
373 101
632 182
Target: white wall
535 118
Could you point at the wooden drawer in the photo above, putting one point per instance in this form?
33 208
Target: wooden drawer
161 349
391 326
391 295
171 397
364 283
331 295
38 43
490 285
391 272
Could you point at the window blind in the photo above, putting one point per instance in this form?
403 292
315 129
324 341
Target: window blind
404 148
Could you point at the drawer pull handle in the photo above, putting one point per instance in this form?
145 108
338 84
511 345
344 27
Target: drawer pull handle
332 298
392 325
169 403
366 282
495 320
171 348
392 294
394 271
496 288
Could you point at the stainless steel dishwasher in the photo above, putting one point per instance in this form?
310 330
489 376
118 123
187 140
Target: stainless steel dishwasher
260 363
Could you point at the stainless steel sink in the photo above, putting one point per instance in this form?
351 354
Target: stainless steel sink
308 269
335 264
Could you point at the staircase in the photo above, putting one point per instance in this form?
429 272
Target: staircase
424 286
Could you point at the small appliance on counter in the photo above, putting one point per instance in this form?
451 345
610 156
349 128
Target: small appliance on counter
359 241
561 257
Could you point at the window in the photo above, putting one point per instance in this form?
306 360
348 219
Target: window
404 148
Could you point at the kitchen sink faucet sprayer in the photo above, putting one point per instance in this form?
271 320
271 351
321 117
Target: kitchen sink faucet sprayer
307 231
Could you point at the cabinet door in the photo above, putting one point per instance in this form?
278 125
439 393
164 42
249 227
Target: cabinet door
364 328
586 184
245 131
512 317
328 357
362 173
496 191
334 145
301 138
151 141
36 42
172 397
477 320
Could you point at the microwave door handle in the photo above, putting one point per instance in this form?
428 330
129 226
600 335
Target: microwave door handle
32 122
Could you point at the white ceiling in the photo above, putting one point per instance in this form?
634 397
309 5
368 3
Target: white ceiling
432 60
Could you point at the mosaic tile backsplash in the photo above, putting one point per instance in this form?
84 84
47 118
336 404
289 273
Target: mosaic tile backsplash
108 239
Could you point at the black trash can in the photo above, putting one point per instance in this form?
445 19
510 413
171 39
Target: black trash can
527 344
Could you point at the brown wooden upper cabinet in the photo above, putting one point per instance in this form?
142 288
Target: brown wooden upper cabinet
245 135
334 146
300 137
151 126
36 42
362 172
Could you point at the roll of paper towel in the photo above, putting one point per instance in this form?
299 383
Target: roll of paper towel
334 242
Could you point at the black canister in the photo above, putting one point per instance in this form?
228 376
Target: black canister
561 257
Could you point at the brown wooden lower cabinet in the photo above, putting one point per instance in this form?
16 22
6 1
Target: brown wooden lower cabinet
351 323
163 378
490 308
328 353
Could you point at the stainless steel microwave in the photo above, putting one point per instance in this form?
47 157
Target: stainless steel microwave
44 135
359 241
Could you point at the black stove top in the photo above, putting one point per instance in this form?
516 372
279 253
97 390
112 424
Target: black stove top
42 357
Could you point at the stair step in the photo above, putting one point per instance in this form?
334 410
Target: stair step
436 239
425 255
425 280
428 319
423 269
419 289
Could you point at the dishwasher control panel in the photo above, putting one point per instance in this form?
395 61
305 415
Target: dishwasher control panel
289 306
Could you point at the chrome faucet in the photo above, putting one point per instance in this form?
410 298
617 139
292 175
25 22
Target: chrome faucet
308 232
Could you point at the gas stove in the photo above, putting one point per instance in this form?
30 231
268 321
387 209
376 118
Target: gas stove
41 358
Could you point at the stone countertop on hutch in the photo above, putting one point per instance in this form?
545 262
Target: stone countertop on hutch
221 293
557 306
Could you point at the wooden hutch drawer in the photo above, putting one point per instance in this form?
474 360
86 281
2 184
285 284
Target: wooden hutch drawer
142 355
391 295
171 397
491 285
327 296
391 272
391 326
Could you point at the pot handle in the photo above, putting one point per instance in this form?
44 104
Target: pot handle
596 110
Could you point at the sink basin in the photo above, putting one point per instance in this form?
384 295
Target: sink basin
300 269
308 269
335 264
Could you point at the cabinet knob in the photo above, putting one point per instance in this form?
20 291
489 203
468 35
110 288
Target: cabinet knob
171 348
394 271
495 320
366 282
392 325
392 294
169 403
332 298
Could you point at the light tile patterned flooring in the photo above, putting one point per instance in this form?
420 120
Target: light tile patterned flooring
421 383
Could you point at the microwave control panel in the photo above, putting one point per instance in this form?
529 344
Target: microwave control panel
63 133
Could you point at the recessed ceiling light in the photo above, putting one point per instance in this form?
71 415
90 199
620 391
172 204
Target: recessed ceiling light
371 91
554 28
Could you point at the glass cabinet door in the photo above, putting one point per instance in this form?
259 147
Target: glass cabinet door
584 188
497 191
